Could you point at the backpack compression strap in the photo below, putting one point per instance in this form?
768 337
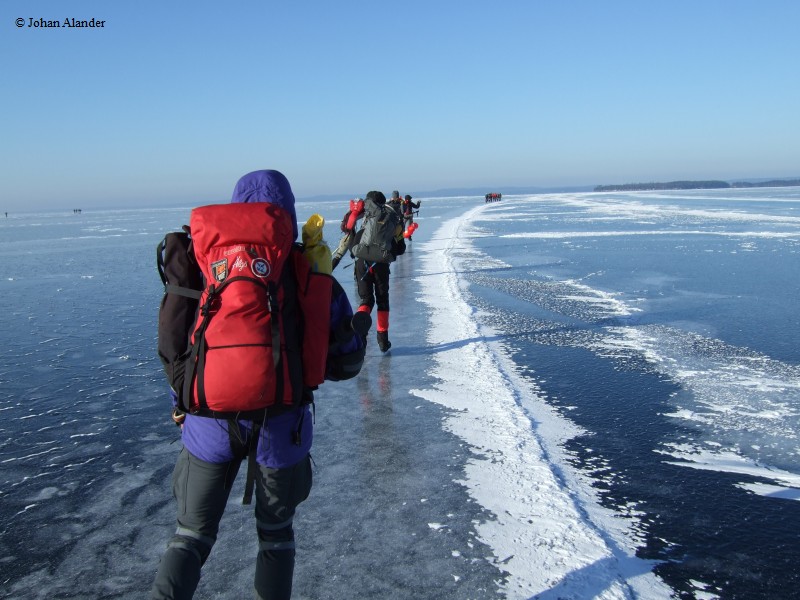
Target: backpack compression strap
183 291
197 358
274 313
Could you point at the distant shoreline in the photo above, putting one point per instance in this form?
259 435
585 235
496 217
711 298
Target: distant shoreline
478 192
695 185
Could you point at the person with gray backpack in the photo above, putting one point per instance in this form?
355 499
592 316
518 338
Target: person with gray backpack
377 244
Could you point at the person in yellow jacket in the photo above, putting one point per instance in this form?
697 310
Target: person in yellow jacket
316 249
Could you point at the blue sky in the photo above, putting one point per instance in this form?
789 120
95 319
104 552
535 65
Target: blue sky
170 102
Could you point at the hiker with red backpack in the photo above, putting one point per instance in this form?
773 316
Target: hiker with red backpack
408 215
348 227
378 243
264 331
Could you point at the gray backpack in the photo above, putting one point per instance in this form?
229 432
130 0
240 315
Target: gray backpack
381 223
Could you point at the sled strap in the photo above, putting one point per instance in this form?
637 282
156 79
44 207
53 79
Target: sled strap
252 465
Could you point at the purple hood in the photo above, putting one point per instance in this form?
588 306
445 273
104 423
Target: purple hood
267 186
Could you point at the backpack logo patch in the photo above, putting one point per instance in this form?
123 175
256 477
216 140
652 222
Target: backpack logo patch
234 250
260 267
219 269
239 264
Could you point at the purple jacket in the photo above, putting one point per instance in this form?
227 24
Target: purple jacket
209 439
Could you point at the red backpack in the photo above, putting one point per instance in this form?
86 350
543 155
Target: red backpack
259 340
351 216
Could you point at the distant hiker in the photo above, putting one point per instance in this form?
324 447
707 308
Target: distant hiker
377 243
396 203
408 213
263 334
348 227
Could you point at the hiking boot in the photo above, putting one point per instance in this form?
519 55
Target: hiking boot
383 341
335 261
361 322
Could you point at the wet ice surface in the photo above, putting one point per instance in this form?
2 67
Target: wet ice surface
580 390
88 448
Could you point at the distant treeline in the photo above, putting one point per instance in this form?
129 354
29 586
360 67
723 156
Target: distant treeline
694 185
772 183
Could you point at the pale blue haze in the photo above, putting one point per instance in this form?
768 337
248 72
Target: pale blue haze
170 102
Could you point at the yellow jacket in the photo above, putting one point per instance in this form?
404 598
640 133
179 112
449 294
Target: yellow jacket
315 249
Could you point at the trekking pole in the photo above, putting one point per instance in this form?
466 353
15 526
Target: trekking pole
349 265
369 268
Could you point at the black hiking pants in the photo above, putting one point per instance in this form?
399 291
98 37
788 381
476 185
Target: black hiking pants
201 490
372 284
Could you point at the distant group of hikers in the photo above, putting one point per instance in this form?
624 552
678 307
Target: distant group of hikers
493 197
250 325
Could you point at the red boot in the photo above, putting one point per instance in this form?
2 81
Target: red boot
383 330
